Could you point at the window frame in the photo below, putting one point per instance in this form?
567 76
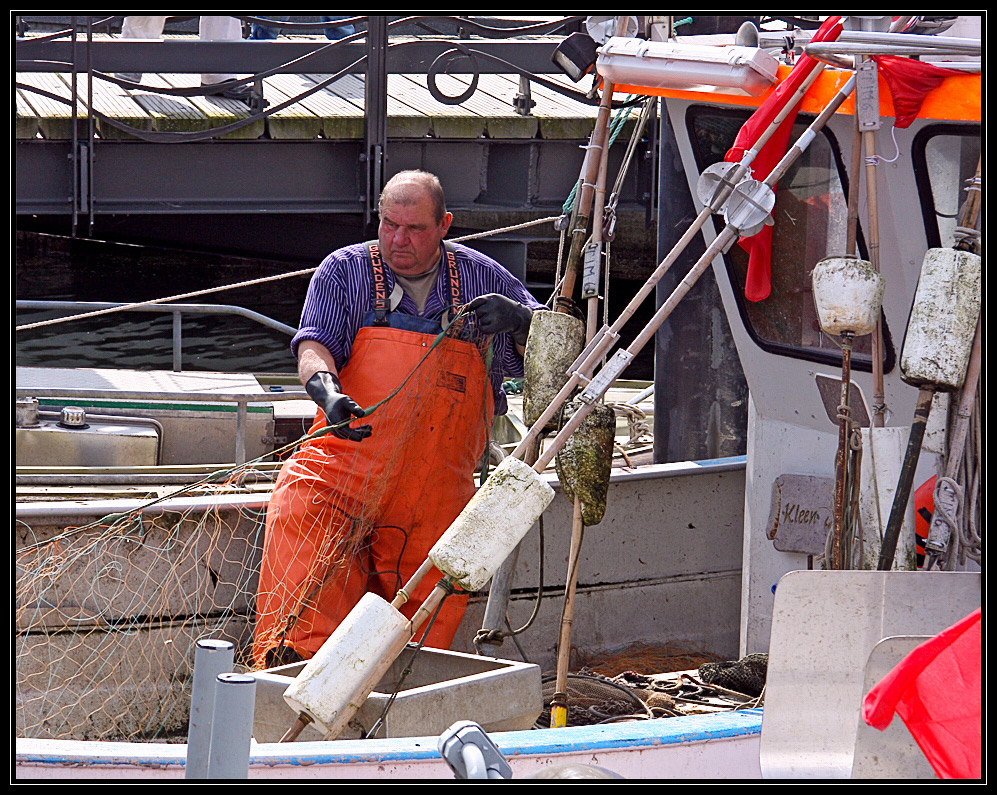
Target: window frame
922 173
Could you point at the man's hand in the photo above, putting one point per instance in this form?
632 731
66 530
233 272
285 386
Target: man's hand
324 388
497 314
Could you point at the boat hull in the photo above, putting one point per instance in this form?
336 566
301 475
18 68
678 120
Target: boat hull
717 746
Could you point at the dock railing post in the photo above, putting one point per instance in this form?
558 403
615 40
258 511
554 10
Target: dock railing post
375 112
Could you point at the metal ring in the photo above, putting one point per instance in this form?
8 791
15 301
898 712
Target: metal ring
437 67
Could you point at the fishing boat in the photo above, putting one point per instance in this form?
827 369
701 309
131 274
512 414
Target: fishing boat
801 150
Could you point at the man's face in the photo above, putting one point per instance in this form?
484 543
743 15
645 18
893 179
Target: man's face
410 235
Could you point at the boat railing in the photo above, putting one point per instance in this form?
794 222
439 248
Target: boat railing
241 399
177 310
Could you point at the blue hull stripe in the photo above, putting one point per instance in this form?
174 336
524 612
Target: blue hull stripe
543 742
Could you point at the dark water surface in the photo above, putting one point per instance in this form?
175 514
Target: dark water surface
61 269
54 268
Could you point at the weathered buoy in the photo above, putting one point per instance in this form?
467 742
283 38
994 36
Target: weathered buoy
492 524
349 664
586 460
848 295
556 339
943 320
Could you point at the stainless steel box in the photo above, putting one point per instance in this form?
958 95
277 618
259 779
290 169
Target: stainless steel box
99 444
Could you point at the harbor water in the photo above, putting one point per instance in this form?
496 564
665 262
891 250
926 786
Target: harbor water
51 268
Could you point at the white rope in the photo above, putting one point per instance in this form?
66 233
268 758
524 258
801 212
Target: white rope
505 229
557 270
164 300
250 283
875 160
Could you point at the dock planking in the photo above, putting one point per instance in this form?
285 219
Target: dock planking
117 104
211 111
305 119
54 118
498 116
335 111
25 118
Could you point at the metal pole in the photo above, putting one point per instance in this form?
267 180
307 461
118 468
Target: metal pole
211 658
375 112
240 432
177 343
232 726
76 144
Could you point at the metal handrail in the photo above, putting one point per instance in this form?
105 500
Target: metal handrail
177 310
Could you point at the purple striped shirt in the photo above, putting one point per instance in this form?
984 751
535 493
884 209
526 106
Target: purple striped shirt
341 293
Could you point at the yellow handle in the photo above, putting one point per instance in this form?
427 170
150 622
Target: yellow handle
558 717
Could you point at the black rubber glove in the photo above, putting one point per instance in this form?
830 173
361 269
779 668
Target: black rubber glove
324 388
498 314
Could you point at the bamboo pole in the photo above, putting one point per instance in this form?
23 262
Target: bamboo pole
559 707
589 358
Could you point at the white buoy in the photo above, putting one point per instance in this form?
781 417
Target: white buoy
848 295
935 355
943 320
492 524
882 459
349 664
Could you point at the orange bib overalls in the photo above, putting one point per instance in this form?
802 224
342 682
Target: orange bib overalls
350 517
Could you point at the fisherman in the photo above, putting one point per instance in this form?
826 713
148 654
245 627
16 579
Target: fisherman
358 509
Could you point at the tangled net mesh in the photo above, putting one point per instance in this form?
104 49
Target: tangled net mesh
107 616
108 613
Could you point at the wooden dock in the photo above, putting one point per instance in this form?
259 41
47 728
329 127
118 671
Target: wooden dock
333 112
179 165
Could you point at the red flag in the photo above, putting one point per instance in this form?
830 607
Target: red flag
758 283
910 82
936 691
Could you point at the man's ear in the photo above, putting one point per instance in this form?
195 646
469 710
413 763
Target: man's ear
447 220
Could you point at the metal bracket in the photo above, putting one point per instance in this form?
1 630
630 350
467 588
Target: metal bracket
750 207
604 379
523 101
867 95
715 185
591 268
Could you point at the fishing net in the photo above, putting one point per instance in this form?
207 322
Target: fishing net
107 615
746 675
108 612
625 684
591 700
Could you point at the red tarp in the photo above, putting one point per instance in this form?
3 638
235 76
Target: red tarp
910 82
937 692
758 283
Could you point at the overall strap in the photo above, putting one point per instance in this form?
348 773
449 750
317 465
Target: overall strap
380 282
453 278
382 300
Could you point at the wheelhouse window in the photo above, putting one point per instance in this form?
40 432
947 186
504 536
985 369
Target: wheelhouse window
945 160
811 213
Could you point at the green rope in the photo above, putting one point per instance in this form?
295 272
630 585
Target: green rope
615 128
